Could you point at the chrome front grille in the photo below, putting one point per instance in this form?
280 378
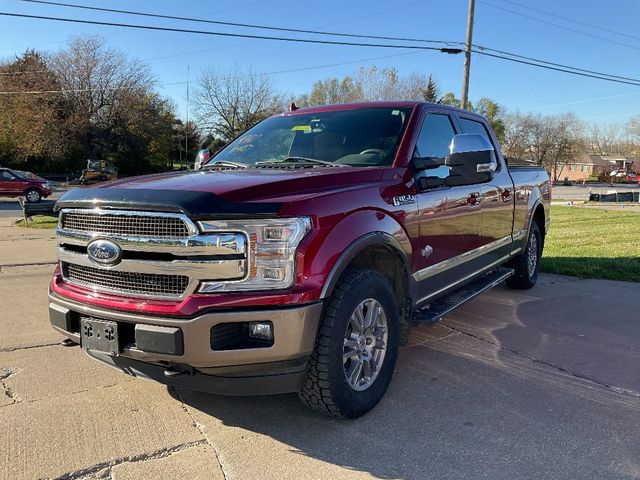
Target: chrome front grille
132 283
162 255
126 224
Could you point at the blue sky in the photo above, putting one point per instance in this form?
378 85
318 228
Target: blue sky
517 87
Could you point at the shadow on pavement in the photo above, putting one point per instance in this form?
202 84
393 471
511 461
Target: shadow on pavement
452 411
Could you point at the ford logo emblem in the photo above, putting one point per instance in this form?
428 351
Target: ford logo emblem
104 252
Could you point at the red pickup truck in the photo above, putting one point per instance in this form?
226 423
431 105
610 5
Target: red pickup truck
17 184
299 256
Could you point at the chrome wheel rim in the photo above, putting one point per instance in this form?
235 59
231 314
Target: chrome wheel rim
365 344
532 255
33 196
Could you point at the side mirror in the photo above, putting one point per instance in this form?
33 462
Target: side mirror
472 160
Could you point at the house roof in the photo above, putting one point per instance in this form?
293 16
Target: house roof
601 160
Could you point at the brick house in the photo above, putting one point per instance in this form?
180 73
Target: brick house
586 166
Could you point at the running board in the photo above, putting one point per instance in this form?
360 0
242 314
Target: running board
436 310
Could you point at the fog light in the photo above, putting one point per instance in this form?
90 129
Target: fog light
261 330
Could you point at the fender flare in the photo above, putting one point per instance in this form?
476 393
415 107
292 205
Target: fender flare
357 246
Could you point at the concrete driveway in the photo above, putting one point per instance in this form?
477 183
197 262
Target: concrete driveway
541 384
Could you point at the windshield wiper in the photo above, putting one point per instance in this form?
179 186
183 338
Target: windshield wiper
224 163
302 159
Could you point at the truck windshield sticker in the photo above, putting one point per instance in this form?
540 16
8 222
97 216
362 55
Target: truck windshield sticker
302 128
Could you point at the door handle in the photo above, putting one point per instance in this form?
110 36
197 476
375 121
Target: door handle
473 200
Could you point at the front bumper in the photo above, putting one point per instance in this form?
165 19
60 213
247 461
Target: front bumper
274 369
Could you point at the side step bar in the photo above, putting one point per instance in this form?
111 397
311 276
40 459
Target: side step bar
436 310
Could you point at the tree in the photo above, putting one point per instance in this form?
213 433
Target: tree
450 99
103 87
549 141
31 125
493 113
370 84
230 103
430 93
605 139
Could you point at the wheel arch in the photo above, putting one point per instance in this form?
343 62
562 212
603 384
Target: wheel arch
376 250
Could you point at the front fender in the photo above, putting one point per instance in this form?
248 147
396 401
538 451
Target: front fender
352 235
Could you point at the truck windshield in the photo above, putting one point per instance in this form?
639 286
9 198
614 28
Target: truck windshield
360 137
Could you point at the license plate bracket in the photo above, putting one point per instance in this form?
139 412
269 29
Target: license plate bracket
99 336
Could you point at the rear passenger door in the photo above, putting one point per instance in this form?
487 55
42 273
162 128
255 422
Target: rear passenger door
449 216
496 199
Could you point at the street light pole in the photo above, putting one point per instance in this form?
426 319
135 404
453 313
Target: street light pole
467 55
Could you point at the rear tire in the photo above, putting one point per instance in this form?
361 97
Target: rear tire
353 361
527 264
33 195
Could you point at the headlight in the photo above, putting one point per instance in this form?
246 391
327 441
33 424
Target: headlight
271 252
47 186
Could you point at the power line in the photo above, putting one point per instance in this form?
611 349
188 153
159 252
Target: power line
80 90
480 47
635 82
564 27
572 20
242 25
500 54
227 34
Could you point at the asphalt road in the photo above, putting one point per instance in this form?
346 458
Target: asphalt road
540 384
577 192
10 208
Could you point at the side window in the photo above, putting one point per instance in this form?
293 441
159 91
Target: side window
4 175
471 126
434 141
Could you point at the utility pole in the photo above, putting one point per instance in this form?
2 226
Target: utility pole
186 125
467 55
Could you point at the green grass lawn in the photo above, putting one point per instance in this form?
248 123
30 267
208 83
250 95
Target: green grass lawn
39 221
593 243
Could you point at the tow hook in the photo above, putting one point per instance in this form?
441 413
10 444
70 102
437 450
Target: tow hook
177 371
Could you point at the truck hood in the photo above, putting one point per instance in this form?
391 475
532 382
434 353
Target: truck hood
255 184
226 192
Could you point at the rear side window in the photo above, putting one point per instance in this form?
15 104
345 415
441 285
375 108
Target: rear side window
471 126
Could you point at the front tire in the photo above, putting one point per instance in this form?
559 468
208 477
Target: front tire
356 347
527 264
33 195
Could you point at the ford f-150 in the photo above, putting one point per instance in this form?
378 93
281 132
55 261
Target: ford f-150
298 257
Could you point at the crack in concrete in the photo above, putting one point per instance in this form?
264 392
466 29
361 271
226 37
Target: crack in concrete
613 388
27 347
4 374
84 390
200 428
163 452
18 265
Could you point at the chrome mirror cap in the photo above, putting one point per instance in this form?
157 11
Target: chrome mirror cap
469 142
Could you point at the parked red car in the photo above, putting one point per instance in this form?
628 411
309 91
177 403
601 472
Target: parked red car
14 184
